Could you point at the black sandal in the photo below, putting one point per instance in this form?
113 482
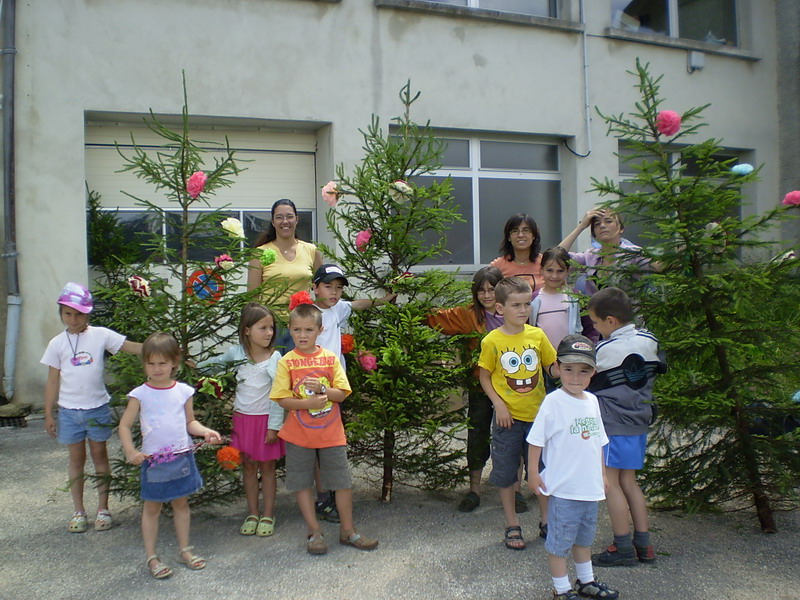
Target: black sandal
595 589
514 534
470 502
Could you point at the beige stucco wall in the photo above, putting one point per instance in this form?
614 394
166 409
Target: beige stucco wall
330 62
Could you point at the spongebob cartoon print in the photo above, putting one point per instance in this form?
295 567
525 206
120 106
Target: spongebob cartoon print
521 370
319 416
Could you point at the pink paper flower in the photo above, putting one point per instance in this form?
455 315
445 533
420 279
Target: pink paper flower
331 193
362 239
668 122
224 262
196 183
792 199
368 361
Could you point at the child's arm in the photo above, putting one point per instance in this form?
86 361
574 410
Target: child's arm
535 482
50 399
131 347
501 413
584 223
133 456
315 402
196 428
366 303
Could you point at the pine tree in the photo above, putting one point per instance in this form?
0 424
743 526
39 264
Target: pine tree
724 307
400 417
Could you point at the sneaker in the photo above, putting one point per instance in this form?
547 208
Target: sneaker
543 530
614 557
326 509
595 589
470 502
570 595
520 504
645 554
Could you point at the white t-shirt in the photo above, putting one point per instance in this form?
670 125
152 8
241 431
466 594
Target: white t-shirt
162 416
333 319
570 431
81 359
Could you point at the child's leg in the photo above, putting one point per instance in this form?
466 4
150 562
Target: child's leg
305 502
344 504
77 460
542 500
507 500
181 518
269 486
635 498
150 514
250 484
102 470
618 509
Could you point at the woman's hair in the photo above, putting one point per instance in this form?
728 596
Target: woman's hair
162 344
612 302
558 254
507 250
303 311
490 275
269 235
252 313
608 213
510 285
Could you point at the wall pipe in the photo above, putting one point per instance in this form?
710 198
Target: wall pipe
587 108
9 52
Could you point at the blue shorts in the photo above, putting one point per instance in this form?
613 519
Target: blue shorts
625 451
569 523
75 425
508 446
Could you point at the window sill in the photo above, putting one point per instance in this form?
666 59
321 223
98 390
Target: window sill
679 43
481 14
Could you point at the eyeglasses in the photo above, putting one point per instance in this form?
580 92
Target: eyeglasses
523 231
485 292
289 217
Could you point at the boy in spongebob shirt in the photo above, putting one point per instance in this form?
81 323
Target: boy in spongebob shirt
511 362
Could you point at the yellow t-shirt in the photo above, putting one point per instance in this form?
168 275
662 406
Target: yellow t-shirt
515 362
297 275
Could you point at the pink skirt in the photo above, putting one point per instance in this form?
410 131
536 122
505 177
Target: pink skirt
249 432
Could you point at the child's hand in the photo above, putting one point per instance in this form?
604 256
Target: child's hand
272 436
50 426
136 457
190 363
535 484
313 384
317 401
503 417
212 437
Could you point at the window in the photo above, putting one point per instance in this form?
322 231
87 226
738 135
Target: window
712 21
492 180
536 8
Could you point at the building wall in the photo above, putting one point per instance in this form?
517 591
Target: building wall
322 62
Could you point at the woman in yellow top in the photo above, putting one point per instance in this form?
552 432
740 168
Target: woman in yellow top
295 261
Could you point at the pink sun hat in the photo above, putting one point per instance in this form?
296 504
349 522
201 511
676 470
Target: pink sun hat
76 296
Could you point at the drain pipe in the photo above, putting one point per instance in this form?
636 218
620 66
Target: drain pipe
9 51
587 107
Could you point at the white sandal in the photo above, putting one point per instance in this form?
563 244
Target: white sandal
103 522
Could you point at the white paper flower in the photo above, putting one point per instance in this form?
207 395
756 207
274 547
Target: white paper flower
233 227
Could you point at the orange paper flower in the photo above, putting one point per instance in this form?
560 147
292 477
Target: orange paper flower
228 458
299 298
348 343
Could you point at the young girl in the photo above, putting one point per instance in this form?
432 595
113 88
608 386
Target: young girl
479 317
256 418
168 470
76 358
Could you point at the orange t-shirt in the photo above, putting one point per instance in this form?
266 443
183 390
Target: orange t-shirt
532 272
311 429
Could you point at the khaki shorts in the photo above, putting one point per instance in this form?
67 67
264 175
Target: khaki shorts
334 469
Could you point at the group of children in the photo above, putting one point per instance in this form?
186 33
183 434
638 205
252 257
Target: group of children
309 382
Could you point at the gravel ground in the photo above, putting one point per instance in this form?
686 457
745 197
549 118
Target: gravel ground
427 549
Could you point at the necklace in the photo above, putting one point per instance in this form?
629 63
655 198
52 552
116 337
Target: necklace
75 362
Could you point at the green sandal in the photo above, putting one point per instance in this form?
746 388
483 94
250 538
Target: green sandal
266 527
250 525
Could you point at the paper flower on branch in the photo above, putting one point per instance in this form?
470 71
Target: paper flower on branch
348 343
233 227
210 386
742 169
228 458
362 239
331 193
139 285
400 191
224 262
668 122
299 298
267 257
196 183
792 198
163 455
368 361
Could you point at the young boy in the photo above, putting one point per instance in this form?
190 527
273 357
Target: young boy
311 383
627 363
511 361
568 434
328 285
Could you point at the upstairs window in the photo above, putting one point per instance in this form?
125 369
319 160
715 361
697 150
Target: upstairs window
710 21
536 8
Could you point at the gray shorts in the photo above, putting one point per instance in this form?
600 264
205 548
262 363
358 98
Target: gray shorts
334 470
569 523
508 447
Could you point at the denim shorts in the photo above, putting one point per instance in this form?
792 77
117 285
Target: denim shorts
625 451
334 471
508 447
569 523
75 425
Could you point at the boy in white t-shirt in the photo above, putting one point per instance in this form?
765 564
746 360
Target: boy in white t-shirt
568 436
328 285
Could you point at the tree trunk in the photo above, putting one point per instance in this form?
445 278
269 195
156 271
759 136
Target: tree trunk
388 465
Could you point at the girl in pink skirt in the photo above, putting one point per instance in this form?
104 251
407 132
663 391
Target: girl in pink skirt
256 418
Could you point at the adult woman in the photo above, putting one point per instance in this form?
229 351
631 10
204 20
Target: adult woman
295 260
520 249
